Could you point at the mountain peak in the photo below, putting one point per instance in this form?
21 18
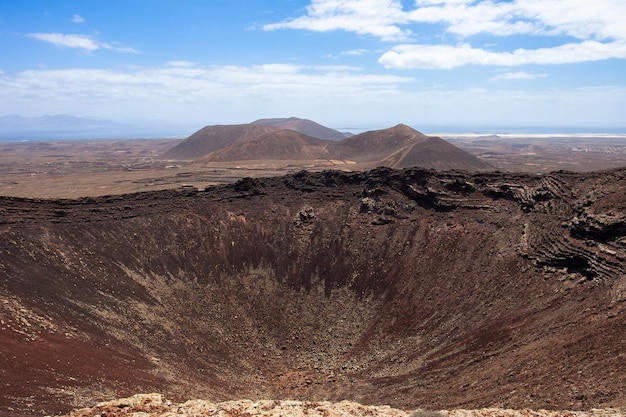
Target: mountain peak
403 129
277 120
304 126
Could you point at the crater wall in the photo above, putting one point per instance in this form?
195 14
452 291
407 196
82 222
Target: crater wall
410 288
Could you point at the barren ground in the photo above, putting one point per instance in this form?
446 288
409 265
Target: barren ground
411 288
545 153
70 169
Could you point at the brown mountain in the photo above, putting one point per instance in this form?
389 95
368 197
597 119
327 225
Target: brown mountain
411 288
396 147
404 147
211 138
284 144
434 153
375 145
306 127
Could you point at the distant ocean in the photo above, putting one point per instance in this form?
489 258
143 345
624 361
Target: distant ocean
154 133
494 130
90 134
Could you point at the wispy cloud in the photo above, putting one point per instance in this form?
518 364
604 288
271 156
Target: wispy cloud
181 64
233 93
386 18
519 75
200 94
354 52
377 18
184 81
580 19
446 57
596 25
84 42
78 19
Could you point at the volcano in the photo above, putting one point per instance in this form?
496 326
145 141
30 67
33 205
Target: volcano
398 147
413 288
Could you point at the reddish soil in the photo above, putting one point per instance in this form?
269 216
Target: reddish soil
410 288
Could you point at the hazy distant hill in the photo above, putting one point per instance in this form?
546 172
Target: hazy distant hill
62 121
60 126
306 127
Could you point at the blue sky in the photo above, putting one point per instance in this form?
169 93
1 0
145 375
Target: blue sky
343 63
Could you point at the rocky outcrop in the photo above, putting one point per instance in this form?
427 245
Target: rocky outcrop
610 226
153 405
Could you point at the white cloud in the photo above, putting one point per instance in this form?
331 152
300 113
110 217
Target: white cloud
280 69
181 64
334 95
519 75
78 19
597 25
118 48
435 2
69 41
582 19
446 57
180 91
84 42
377 18
355 52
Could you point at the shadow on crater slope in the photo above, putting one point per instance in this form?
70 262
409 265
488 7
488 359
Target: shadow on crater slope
410 288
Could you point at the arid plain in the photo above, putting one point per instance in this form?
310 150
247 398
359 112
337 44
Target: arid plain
70 169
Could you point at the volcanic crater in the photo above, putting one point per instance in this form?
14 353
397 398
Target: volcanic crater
412 288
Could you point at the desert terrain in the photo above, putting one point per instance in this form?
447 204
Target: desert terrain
124 270
76 168
543 153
